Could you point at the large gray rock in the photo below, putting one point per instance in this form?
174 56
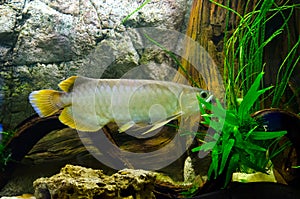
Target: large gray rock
79 182
43 42
8 19
55 31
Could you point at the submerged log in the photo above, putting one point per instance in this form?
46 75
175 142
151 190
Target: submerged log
41 146
28 133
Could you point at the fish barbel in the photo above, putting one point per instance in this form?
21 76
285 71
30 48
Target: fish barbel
89 104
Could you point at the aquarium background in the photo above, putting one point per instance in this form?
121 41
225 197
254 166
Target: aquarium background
43 42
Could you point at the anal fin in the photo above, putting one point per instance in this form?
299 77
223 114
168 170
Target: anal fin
66 117
80 122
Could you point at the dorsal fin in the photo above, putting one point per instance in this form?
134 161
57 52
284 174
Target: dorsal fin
67 84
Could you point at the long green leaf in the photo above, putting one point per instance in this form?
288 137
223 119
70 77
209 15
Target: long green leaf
280 149
262 135
213 169
205 147
218 111
249 145
251 96
232 167
136 10
250 132
227 147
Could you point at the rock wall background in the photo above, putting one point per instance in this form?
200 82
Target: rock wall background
45 41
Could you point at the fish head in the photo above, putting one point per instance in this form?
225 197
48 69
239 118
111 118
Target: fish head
206 95
189 99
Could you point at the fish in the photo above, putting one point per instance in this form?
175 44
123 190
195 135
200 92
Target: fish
88 104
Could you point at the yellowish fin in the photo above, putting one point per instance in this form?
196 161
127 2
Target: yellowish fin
80 123
45 102
66 117
67 84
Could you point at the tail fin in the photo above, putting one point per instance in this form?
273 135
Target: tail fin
45 102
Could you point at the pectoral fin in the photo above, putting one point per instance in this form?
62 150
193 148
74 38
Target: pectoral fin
159 124
126 126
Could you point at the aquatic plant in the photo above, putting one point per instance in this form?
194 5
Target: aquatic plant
5 154
136 10
244 50
239 144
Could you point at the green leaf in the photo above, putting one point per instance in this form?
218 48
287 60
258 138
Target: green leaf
249 145
205 147
263 135
232 118
204 115
214 163
232 167
136 10
225 153
207 105
216 136
252 165
250 132
218 111
275 152
296 167
216 125
251 96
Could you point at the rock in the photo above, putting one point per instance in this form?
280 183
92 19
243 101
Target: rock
8 18
55 31
188 170
79 182
254 177
51 36
43 42
18 82
23 196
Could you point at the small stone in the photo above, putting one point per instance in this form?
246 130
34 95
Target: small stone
188 171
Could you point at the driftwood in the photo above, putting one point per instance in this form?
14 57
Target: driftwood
28 146
42 141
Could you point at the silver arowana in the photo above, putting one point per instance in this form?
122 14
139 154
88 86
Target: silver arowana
89 104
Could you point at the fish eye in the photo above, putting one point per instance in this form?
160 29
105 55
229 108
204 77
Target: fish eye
204 95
